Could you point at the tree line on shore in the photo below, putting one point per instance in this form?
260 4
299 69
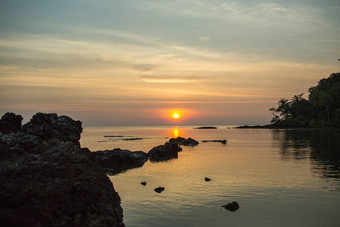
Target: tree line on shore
321 109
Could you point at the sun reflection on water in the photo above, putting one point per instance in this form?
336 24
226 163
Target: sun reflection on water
175 133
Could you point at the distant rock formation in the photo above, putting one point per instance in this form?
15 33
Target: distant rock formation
117 160
182 141
206 127
215 141
164 152
48 180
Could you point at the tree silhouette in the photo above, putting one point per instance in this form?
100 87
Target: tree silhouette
321 109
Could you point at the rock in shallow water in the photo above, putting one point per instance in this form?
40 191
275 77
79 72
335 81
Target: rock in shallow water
118 160
164 152
48 180
234 206
159 189
215 141
182 141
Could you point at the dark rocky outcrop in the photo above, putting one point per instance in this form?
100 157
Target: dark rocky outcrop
207 179
215 141
183 141
10 122
164 152
234 206
159 189
143 183
48 180
51 127
117 160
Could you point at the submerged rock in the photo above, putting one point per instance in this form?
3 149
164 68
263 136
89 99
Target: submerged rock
183 141
137 138
118 160
234 206
48 180
159 189
164 152
215 141
206 127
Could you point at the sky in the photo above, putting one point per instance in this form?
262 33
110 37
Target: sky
134 62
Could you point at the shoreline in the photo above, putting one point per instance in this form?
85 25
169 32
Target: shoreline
281 127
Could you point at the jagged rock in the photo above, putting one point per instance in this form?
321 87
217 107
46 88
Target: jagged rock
10 122
52 127
159 189
207 179
215 141
164 152
234 206
117 160
183 141
48 180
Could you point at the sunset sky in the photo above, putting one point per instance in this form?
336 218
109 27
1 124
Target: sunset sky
135 62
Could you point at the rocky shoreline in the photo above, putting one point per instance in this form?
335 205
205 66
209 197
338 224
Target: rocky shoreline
47 179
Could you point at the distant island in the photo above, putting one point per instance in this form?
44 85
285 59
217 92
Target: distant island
322 109
206 127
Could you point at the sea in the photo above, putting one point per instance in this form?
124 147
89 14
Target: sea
278 177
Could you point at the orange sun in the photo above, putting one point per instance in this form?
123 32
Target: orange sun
175 116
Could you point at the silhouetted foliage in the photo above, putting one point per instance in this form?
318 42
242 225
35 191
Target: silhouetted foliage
321 109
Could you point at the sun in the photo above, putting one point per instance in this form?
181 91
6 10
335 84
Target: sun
175 116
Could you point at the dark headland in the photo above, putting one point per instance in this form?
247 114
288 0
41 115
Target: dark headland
47 179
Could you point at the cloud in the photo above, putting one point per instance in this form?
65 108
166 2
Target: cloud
265 15
167 79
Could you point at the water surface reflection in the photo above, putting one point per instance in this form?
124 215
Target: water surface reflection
321 146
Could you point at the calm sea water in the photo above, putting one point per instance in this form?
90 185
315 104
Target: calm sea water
279 177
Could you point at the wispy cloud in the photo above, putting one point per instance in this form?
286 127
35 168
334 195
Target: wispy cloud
234 10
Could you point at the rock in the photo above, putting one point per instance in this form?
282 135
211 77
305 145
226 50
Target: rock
234 206
183 141
159 189
10 122
52 127
207 179
215 141
117 160
164 152
48 180
206 127
137 138
143 183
